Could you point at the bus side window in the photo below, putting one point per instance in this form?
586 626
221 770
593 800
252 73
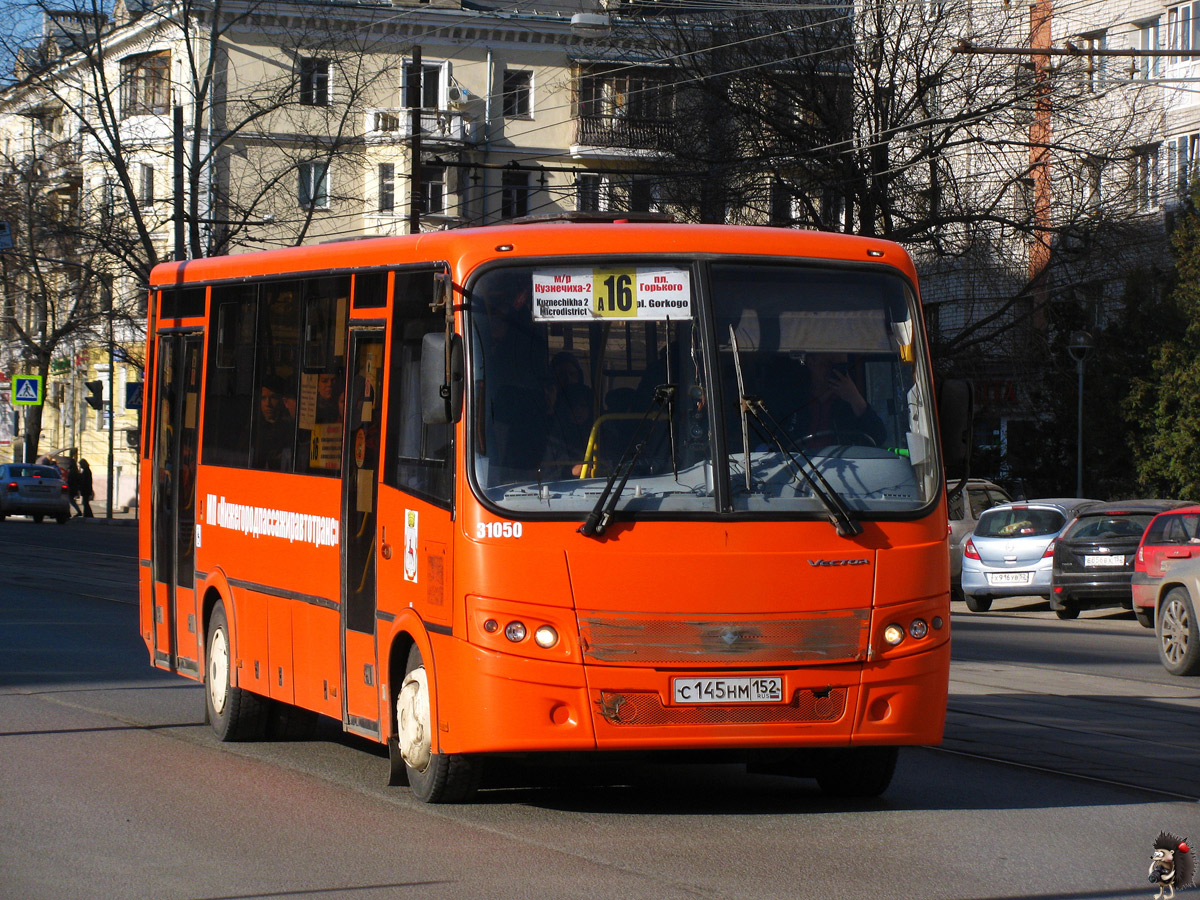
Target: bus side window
419 456
276 395
229 403
322 406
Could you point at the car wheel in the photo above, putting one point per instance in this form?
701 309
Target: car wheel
857 772
433 777
976 603
1144 616
234 714
1178 633
1067 612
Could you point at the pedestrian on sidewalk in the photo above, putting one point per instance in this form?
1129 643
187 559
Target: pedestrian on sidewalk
73 485
85 488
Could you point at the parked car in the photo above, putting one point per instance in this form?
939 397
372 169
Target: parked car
966 500
1175 626
27 489
1011 551
1093 557
1170 538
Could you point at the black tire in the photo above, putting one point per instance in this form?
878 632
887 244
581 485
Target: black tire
38 518
62 518
856 772
234 714
975 603
1178 633
432 777
1144 616
1067 612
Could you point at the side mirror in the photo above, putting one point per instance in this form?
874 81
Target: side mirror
441 401
956 412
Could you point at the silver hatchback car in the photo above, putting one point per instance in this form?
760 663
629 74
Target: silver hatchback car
27 489
1011 552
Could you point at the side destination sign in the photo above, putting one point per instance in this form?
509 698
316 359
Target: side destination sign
611 292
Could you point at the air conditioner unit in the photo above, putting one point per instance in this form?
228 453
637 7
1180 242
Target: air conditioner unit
458 96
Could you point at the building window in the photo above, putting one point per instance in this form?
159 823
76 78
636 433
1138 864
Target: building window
145 186
1096 65
643 194
314 81
517 93
1145 178
387 187
314 185
146 84
433 189
514 195
587 192
431 86
1181 156
1149 38
1183 27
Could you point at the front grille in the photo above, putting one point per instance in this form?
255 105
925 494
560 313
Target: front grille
829 637
646 708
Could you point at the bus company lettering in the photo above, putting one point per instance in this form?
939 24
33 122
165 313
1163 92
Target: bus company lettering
320 531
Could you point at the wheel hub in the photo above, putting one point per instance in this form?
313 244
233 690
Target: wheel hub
412 718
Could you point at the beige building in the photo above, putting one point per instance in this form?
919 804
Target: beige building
298 126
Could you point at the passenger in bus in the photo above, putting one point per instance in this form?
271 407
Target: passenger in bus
832 408
274 429
330 397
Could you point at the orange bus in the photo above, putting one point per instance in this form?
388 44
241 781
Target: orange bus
553 486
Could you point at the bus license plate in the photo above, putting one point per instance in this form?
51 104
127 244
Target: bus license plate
1092 561
1010 577
728 690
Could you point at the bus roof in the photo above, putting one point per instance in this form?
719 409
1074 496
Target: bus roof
468 247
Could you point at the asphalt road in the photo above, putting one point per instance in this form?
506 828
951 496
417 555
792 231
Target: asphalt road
1067 750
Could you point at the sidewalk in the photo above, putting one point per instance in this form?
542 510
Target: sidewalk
119 517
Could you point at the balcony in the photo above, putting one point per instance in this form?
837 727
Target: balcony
438 127
609 135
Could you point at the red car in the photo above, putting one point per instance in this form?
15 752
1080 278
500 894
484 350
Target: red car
1171 536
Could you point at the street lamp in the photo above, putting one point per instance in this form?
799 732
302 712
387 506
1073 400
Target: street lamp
1079 346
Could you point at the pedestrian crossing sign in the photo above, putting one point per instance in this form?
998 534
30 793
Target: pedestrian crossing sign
27 390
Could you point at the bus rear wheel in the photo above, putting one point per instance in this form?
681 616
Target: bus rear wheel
857 771
432 777
233 713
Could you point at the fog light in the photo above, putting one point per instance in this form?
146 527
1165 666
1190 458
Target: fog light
545 637
918 629
491 626
515 631
893 634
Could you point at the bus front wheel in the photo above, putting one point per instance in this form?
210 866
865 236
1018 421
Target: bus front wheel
233 713
857 771
433 777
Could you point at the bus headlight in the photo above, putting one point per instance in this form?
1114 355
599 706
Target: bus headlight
545 637
893 634
515 631
918 629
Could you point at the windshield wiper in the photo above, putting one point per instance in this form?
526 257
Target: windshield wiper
601 514
751 406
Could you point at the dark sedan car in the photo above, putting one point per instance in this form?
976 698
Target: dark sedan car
27 489
1093 557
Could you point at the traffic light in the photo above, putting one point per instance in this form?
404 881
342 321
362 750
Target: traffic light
96 390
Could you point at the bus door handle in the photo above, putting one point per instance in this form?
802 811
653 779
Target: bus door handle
384 547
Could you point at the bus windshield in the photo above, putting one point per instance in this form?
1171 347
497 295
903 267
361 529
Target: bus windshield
811 382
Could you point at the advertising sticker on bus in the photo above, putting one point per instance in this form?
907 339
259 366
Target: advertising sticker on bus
574 294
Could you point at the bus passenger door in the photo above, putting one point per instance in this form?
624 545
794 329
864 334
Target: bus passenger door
360 496
176 423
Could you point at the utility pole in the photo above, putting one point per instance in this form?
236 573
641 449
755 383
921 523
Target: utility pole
112 400
415 200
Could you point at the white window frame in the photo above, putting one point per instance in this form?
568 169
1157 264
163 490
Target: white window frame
308 182
445 71
527 91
